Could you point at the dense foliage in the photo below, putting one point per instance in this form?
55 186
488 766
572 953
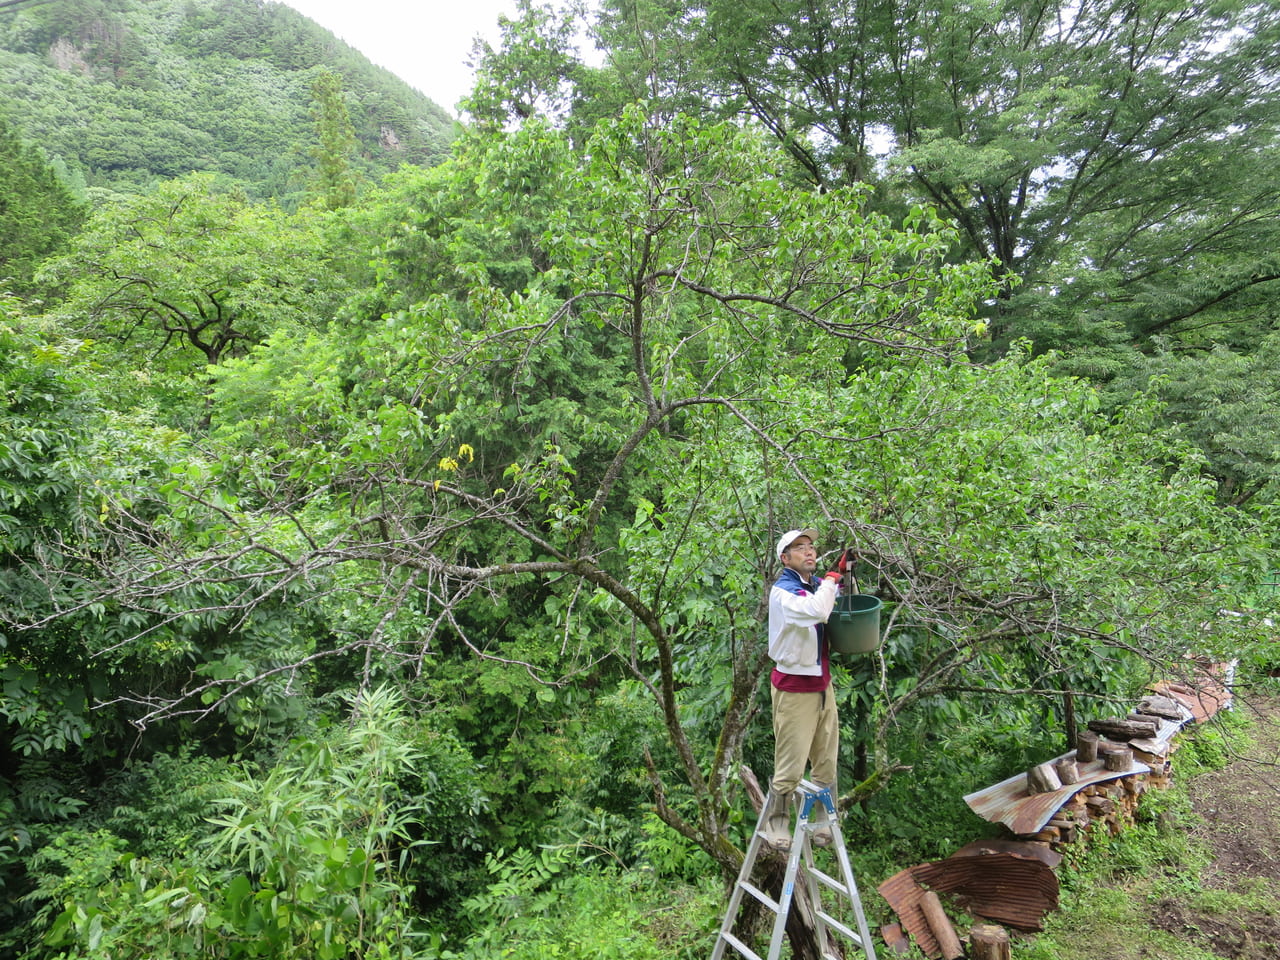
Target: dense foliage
381 576
1110 159
38 214
128 92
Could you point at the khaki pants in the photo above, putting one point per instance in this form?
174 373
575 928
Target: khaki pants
805 728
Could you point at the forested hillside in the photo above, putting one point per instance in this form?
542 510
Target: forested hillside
123 93
382 554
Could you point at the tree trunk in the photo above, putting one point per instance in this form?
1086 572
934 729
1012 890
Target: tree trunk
1069 717
860 754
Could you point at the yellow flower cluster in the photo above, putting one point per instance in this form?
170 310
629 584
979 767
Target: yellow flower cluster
452 464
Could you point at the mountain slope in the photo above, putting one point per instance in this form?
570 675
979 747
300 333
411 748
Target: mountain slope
127 91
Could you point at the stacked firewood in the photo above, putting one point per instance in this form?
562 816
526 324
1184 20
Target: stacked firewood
1142 741
1100 806
1093 788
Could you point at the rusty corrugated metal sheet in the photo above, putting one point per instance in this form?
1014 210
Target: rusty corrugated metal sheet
903 894
1007 802
1204 699
895 939
1012 888
1002 887
1018 848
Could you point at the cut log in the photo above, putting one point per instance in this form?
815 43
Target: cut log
1101 806
1042 779
1165 707
1119 729
1086 746
1067 771
940 926
1116 758
1066 829
989 942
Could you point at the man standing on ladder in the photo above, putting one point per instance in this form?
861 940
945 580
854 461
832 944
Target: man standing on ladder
805 724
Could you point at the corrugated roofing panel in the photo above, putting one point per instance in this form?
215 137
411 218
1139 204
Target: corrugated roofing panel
1012 888
1204 699
1002 887
1018 848
1007 802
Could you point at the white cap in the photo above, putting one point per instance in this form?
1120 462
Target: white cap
791 536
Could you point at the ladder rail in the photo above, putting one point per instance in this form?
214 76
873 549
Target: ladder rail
842 855
815 896
788 894
743 885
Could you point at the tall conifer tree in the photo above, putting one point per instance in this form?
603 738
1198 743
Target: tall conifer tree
37 212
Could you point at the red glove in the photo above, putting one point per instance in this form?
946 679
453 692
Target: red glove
842 566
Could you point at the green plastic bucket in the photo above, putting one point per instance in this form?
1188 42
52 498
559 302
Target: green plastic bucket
854 625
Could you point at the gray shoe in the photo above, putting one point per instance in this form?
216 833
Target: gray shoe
777 821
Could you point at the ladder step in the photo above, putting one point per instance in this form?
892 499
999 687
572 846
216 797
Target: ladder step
840 928
827 881
760 895
741 947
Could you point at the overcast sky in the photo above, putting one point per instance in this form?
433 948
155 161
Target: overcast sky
423 42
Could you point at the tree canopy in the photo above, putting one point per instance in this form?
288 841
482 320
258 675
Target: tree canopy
1108 159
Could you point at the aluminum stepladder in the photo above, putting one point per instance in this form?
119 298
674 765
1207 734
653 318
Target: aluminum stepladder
800 865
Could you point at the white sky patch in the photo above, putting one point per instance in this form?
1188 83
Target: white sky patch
426 44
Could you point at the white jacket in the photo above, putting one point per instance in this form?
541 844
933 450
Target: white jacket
795 610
